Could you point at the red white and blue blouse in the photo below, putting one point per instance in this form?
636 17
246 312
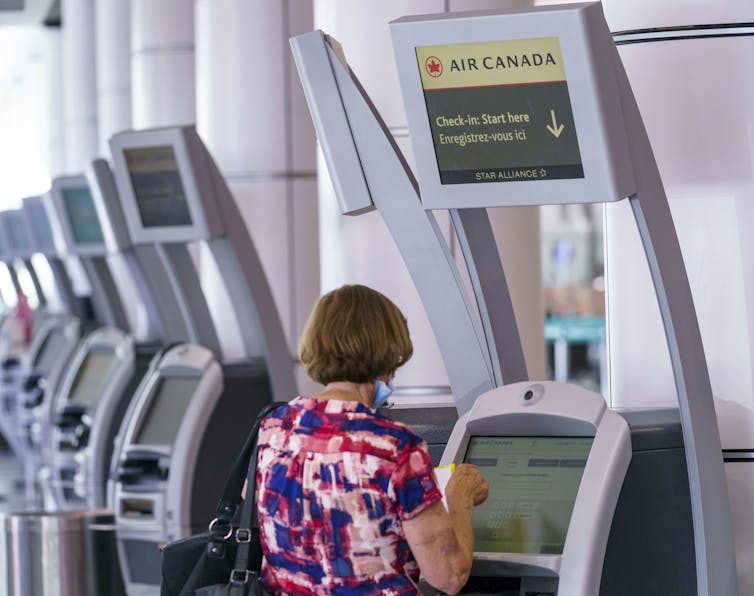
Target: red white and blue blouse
334 480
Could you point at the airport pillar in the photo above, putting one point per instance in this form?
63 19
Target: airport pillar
162 76
54 96
162 63
78 97
252 115
113 48
361 250
79 83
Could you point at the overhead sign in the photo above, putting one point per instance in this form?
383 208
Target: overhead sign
499 111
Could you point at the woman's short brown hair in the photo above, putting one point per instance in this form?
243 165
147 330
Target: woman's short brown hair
354 334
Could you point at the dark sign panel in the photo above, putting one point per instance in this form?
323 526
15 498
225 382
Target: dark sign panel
500 111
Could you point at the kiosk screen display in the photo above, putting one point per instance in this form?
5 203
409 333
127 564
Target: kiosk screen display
15 232
48 352
533 485
82 215
158 189
40 227
165 412
500 111
90 379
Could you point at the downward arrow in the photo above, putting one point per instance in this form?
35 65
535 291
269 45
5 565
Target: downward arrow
555 129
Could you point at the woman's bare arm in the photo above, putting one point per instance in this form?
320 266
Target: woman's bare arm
443 541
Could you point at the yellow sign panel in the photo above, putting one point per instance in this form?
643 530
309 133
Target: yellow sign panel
513 62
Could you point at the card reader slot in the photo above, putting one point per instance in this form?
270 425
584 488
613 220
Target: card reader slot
138 470
137 508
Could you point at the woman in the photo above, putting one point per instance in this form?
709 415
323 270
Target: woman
347 499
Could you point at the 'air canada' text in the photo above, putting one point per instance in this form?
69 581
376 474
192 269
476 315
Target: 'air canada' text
509 61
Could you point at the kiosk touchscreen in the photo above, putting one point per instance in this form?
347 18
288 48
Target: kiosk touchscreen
183 431
534 481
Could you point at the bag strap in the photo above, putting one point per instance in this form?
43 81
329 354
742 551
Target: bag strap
241 574
231 499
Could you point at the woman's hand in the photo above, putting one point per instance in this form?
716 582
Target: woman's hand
466 483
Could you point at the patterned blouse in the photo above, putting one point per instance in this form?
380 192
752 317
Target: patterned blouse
334 481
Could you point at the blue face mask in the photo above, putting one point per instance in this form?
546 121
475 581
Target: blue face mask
382 392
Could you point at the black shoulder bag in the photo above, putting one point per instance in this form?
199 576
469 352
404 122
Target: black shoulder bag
222 562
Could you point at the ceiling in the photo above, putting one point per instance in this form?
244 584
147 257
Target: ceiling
33 12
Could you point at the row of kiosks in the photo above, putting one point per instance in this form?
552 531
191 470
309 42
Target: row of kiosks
25 232
104 368
15 334
532 107
15 253
192 411
58 323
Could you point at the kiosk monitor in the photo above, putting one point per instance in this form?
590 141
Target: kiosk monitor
82 216
16 233
49 351
39 225
91 377
169 186
157 185
533 486
75 222
163 419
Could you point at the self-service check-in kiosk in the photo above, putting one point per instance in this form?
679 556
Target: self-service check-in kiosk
180 436
192 412
525 108
570 479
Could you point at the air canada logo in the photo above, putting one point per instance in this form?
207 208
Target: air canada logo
433 66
